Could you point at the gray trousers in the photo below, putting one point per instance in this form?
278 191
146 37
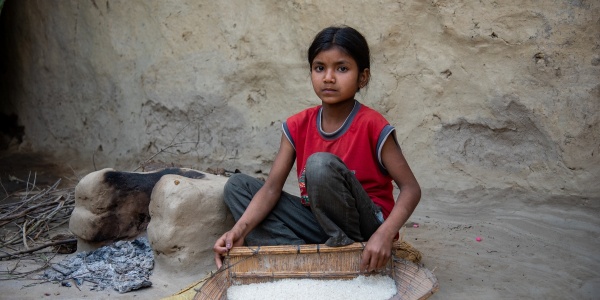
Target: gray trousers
340 211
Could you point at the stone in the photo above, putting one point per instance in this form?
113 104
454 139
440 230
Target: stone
187 217
112 205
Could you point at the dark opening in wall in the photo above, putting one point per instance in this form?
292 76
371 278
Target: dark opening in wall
10 130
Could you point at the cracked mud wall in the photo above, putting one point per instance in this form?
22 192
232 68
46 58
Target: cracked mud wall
489 94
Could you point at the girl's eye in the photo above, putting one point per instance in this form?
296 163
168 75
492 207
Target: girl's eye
318 68
343 69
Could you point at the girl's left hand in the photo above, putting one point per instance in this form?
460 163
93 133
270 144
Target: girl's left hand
376 254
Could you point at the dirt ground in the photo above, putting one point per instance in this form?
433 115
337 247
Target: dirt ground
532 246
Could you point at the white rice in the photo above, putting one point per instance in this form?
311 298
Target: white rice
373 287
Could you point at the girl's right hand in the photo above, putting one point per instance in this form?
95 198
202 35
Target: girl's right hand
261 204
227 241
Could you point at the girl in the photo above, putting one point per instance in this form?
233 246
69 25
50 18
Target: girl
346 155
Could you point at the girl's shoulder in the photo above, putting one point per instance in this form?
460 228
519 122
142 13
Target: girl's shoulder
306 113
368 113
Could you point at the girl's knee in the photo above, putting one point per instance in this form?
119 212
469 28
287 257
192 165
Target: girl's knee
323 164
319 160
234 182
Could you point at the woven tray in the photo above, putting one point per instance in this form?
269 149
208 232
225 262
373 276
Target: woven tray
245 265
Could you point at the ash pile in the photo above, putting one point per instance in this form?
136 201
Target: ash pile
124 266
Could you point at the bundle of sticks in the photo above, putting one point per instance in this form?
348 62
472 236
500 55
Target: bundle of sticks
28 217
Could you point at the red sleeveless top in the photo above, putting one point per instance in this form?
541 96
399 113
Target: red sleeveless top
358 143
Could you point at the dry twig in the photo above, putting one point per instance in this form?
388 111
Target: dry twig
13 274
19 253
171 144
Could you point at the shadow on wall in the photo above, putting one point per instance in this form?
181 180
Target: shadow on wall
512 141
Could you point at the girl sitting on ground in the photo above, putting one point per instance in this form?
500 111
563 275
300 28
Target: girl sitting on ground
346 156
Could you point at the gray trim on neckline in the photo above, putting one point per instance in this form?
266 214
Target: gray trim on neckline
340 131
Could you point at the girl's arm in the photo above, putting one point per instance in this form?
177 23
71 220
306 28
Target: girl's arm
262 203
379 247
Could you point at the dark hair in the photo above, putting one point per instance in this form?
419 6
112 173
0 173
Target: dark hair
345 38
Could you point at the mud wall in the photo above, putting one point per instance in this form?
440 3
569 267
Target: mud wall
496 94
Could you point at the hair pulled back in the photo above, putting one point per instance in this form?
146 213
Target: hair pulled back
344 38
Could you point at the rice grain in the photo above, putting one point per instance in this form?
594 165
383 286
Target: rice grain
374 287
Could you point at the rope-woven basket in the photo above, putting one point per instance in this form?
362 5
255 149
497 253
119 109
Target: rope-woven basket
246 265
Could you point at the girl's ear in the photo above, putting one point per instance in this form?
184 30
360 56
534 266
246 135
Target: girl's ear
363 78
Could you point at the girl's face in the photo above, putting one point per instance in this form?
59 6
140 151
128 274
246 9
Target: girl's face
335 76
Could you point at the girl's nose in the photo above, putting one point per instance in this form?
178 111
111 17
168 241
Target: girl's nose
329 77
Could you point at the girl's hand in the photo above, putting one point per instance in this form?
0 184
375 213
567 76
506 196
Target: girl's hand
227 241
378 250
261 204
376 254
